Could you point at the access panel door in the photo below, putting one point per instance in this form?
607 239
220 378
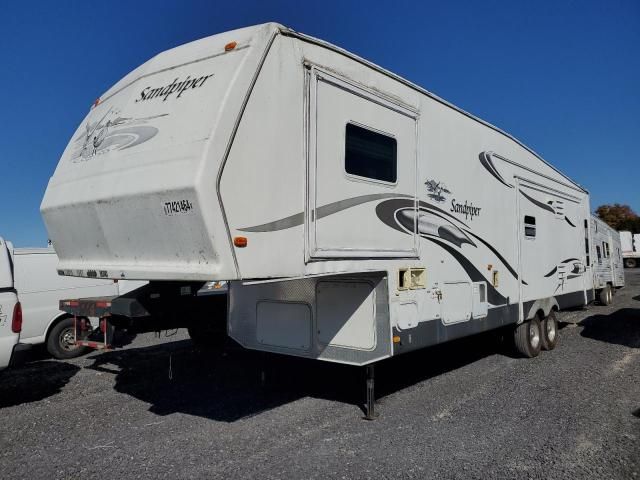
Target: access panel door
362 150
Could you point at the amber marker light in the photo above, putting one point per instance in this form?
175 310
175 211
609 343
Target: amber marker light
240 242
396 339
230 46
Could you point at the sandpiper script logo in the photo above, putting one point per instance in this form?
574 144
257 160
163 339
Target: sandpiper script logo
177 87
438 192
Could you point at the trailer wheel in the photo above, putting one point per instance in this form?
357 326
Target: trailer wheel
605 295
60 341
549 332
630 262
527 338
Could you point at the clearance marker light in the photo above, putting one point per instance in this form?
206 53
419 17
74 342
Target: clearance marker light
230 46
396 339
240 242
96 102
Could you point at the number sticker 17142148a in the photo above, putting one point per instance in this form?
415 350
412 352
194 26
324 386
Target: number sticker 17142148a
177 207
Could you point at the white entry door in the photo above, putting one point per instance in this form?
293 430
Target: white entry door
362 150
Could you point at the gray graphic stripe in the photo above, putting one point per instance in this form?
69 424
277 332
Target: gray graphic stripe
494 297
500 257
323 211
485 160
570 260
538 203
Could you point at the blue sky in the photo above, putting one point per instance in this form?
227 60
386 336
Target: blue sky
561 76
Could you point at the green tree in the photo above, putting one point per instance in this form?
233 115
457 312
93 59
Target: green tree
620 217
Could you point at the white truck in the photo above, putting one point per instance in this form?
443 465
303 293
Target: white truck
356 215
630 249
11 351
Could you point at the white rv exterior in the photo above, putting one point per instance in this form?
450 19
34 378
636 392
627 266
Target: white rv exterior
606 255
630 244
356 215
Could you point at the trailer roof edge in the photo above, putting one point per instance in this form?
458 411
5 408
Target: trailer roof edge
287 31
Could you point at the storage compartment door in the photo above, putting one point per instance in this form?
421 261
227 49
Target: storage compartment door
456 302
362 150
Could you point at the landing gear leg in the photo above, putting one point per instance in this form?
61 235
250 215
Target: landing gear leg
370 413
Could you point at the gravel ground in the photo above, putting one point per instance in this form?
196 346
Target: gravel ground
159 408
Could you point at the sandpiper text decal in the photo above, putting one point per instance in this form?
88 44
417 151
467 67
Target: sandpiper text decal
438 192
177 87
468 210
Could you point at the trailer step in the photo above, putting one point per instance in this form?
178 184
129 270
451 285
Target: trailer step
94 345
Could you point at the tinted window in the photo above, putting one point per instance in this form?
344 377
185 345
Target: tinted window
586 248
529 226
586 242
370 154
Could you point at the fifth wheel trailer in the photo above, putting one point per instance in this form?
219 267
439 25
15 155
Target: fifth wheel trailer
355 215
606 255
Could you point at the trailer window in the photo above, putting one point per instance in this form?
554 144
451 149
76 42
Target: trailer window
370 154
586 242
586 248
529 226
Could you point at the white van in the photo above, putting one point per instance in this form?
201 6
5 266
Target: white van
40 289
11 352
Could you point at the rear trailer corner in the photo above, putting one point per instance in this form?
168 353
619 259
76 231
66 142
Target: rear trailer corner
134 194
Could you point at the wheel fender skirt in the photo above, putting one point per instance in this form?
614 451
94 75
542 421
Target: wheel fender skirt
544 304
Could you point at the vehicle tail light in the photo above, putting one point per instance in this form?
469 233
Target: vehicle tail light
16 322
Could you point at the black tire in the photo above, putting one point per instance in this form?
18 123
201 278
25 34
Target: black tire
60 341
526 337
549 332
630 262
605 296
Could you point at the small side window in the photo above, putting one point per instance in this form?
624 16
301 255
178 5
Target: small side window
598 253
586 242
370 154
586 248
529 226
